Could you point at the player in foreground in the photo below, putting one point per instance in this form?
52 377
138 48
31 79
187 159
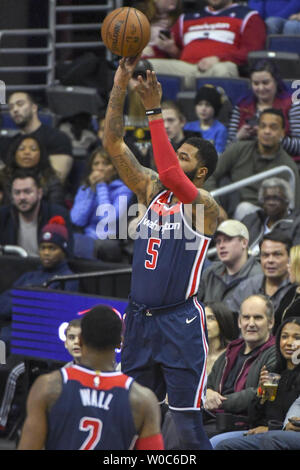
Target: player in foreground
165 344
91 406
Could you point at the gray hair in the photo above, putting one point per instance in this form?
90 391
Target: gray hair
277 183
266 299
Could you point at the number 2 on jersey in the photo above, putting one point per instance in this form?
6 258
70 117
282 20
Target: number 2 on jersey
152 251
94 428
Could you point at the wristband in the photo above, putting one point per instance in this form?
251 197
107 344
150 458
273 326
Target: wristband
150 112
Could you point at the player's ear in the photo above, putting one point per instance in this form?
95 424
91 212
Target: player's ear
202 172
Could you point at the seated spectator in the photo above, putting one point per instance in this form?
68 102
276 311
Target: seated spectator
221 329
281 17
100 208
221 278
276 198
30 153
22 220
24 112
267 91
290 302
199 44
207 105
287 438
274 281
248 158
262 414
161 14
53 252
234 378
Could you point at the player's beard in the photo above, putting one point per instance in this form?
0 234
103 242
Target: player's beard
191 174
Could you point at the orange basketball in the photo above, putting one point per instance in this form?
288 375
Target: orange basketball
125 31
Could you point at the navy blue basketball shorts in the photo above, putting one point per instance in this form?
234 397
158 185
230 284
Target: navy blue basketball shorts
166 350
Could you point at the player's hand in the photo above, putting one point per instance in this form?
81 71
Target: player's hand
213 400
149 90
125 70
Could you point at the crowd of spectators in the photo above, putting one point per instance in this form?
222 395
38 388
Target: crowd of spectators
255 265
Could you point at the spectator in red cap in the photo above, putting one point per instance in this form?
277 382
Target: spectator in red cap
53 251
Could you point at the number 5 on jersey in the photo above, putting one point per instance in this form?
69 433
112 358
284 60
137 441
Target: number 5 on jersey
152 251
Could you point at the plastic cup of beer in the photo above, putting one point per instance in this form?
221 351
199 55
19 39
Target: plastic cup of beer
270 386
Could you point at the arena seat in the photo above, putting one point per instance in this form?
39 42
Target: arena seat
288 63
235 88
283 43
171 85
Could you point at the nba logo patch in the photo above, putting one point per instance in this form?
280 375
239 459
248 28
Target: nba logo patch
97 381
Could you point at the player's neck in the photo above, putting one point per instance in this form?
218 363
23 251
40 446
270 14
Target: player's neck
104 362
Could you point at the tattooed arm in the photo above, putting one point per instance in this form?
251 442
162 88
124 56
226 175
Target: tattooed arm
143 181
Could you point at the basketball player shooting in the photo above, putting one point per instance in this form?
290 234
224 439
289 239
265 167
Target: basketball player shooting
165 345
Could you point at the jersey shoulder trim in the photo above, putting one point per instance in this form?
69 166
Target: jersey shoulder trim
93 379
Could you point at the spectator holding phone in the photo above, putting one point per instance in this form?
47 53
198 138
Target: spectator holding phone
267 91
162 14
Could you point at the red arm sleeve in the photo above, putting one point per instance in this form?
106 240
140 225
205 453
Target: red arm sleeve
170 173
150 443
253 38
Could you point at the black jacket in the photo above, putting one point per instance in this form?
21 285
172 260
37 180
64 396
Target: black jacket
255 224
9 222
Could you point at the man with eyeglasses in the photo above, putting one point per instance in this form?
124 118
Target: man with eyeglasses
277 201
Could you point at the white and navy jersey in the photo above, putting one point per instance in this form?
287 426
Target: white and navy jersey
168 255
93 412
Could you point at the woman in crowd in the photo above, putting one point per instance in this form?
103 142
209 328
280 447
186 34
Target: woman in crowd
267 415
267 91
29 153
161 14
290 303
221 328
98 209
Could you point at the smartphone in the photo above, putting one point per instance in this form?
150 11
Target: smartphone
295 422
165 32
252 121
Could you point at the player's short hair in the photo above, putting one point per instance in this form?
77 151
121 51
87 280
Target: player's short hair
101 328
207 154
